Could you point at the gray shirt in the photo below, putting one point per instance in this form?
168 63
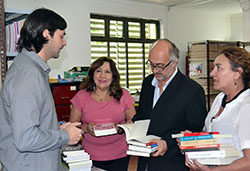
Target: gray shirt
29 135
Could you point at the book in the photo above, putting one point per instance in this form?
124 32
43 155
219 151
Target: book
75 158
199 149
70 159
217 161
201 137
148 149
199 142
207 142
200 146
82 163
104 129
75 147
136 133
221 153
74 153
193 134
138 153
142 141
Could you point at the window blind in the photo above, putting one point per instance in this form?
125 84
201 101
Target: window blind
127 41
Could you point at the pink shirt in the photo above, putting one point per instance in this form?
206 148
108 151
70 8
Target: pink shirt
106 147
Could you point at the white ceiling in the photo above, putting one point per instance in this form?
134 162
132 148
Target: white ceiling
223 6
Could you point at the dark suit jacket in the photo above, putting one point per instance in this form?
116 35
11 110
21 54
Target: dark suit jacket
182 106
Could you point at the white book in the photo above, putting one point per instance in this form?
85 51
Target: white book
147 149
104 129
223 152
83 168
74 152
80 164
136 133
137 153
7 31
217 161
76 158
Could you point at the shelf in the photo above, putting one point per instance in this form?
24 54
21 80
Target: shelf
13 19
200 58
13 54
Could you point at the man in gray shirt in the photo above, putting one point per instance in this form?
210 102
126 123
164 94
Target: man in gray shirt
30 138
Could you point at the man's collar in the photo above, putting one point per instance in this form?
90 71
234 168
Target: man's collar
155 81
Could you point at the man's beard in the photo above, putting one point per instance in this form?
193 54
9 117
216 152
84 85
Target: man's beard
164 77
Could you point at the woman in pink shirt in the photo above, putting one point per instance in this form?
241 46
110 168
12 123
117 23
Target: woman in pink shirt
102 100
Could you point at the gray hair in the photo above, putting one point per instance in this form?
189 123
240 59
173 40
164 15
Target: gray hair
173 50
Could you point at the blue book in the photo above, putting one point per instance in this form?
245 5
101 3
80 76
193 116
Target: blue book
202 137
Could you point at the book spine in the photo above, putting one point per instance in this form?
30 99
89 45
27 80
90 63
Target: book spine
210 136
199 149
199 142
193 134
199 133
152 144
200 137
200 146
206 154
135 153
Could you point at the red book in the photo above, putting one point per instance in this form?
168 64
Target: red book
193 134
200 146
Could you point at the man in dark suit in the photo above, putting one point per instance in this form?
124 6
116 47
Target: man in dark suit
173 102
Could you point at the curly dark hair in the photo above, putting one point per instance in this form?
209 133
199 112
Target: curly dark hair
115 88
31 36
239 58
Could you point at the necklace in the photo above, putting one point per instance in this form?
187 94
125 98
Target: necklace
100 98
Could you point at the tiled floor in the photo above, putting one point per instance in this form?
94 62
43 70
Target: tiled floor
133 163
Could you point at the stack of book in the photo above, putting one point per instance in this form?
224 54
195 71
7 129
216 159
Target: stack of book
139 143
142 149
76 159
209 148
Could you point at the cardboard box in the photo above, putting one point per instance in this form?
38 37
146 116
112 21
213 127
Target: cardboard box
203 48
203 55
221 48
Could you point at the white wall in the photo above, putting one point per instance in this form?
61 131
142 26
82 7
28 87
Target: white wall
189 25
179 25
237 27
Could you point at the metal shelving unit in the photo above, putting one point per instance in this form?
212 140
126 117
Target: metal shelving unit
200 59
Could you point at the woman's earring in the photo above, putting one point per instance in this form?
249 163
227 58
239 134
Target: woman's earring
235 82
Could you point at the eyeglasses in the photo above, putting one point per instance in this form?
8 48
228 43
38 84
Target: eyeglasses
157 67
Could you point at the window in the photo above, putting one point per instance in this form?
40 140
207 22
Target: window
127 42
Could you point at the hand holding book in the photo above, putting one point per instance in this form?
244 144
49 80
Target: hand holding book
207 148
119 129
88 128
162 147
